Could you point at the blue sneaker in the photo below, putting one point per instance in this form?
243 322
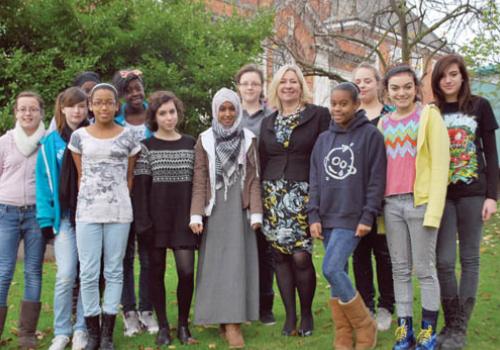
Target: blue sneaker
405 340
427 338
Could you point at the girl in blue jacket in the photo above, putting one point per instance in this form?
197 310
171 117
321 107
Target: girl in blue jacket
55 213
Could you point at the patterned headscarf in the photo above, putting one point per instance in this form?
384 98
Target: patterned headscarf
227 140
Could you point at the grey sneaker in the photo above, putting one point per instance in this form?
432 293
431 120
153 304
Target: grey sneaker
384 319
59 342
79 340
148 321
131 324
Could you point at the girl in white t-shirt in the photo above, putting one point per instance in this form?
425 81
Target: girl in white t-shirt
104 155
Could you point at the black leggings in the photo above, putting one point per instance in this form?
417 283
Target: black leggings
296 271
184 262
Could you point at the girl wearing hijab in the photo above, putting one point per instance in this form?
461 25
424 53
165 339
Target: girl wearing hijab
226 190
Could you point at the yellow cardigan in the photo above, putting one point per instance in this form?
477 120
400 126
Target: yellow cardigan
432 165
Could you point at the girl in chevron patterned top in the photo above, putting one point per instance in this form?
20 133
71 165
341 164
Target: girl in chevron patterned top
417 148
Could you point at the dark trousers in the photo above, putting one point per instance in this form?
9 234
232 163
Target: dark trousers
363 271
128 300
462 221
266 270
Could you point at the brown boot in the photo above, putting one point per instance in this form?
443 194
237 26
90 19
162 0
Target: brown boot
234 336
3 317
363 324
343 329
28 319
222 331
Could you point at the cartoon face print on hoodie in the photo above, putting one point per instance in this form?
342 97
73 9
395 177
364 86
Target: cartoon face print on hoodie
339 162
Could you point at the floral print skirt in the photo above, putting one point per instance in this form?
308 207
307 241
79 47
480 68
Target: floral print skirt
285 220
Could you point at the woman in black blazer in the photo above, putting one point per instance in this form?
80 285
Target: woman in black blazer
286 141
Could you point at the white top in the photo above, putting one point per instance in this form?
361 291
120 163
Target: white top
103 196
138 131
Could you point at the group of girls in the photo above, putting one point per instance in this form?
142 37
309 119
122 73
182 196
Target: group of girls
250 194
432 171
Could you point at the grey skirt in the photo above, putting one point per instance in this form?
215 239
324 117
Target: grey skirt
227 282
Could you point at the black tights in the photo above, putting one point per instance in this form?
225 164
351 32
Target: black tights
296 271
184 262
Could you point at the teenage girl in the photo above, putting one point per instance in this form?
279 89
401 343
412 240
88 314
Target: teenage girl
104 155
250 82
346 188
418 157
18 152
367 78
226 190
54 169
130 86
472 193
162 200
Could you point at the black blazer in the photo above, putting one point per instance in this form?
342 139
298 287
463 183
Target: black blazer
291 163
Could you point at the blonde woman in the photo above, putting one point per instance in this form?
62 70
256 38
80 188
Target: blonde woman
286 141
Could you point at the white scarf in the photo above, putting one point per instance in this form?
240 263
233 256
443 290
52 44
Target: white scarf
27 144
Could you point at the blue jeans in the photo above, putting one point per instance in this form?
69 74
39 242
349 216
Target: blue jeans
66 255
93 241
128 300
339 245
18 223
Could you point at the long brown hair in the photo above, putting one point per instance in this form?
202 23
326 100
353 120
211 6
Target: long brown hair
464 94
67 98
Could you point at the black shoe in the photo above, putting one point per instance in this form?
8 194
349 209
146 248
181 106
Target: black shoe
305 332
289 328
184 336
306 326
94 332
107 328
450 311
163 336
458 335
288 333
266 316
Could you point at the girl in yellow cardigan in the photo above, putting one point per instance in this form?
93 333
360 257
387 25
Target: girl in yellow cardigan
417 148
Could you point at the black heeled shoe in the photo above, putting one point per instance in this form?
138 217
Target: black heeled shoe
184 336
306 326
289 328
163 336
305 332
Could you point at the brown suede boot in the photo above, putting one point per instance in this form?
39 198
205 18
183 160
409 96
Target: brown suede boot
363 324
234 336
28 319
3 317
343 329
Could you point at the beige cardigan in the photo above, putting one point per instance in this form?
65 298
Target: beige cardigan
203 198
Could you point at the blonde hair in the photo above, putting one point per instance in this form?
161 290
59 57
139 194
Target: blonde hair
305 95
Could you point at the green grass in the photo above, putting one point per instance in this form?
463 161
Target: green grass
483 330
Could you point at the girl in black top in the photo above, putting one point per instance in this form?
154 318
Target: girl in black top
471 197
162 200
286 141
367 78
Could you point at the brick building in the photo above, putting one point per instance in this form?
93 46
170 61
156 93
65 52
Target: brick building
310 33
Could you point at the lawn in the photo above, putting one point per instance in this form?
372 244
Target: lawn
483 329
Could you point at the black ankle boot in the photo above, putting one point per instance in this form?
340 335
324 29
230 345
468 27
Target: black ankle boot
450 311
458 334
266 310
163 336
94 332
107 328
184 336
